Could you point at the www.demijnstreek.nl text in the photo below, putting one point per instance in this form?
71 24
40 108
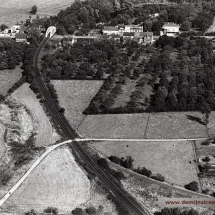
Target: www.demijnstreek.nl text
186 202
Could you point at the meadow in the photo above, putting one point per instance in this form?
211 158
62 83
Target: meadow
8 78
13 11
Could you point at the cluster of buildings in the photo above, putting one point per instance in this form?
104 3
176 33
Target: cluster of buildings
21 33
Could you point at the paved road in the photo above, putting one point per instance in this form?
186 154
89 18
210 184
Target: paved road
126 200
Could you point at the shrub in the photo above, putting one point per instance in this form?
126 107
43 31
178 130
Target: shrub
158 177
114 159
51 210
78 211
192 186
143 171
31 212
206 191
117 174
91 211
103 162
206 159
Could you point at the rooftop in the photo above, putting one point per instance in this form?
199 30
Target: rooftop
110 28
128 34
21 36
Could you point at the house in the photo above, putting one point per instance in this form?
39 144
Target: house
170 29
144 37
21 37
133 28
108 30
116 37
128 35
121 29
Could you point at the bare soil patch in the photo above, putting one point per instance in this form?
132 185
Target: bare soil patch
75 96
44 131
8 78
171 159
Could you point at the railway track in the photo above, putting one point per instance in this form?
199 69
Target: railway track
127 201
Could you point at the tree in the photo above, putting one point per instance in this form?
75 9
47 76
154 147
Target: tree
78 211
3 27
33 10
91 211
51 210
158 177
103 163
186 25
192 186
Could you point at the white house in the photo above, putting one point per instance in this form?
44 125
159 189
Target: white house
170 29
108 30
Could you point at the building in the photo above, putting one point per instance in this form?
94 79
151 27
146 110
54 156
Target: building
79 39
144 37
21 38
128 35
108 30
116 37
170 29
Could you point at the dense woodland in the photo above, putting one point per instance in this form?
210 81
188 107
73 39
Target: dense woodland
88 14
11 54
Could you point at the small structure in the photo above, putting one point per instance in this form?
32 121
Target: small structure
108 30
170 29
21 38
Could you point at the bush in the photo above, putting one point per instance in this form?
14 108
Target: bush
117 174
206 159
192 186
143 171
31 212
206 191
158 177
51 210
114 159
91 211
103 163
78 211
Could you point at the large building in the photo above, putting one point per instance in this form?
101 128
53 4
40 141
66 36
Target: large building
170 29
108 30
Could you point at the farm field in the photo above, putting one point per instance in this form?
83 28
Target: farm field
13 11
169 125
8 78
175 125
114 126
171 159
57 181
75 96
44 131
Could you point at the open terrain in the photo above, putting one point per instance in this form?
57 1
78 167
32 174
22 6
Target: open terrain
171 159
57 181
13 11
9 77
75 96
144 125
26 96
2 143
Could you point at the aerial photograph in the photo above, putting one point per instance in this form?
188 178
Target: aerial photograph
107 107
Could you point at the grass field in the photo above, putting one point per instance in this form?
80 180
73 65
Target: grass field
114 126
171 159
57 181
160 126
9 77
175 125
44 128
2 144
13 11
75 96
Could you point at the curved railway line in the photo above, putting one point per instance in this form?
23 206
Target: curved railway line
126 200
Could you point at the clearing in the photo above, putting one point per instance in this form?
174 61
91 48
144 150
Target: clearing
44 131
75 97
8 78
59 182
171 159
13 11
170 125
